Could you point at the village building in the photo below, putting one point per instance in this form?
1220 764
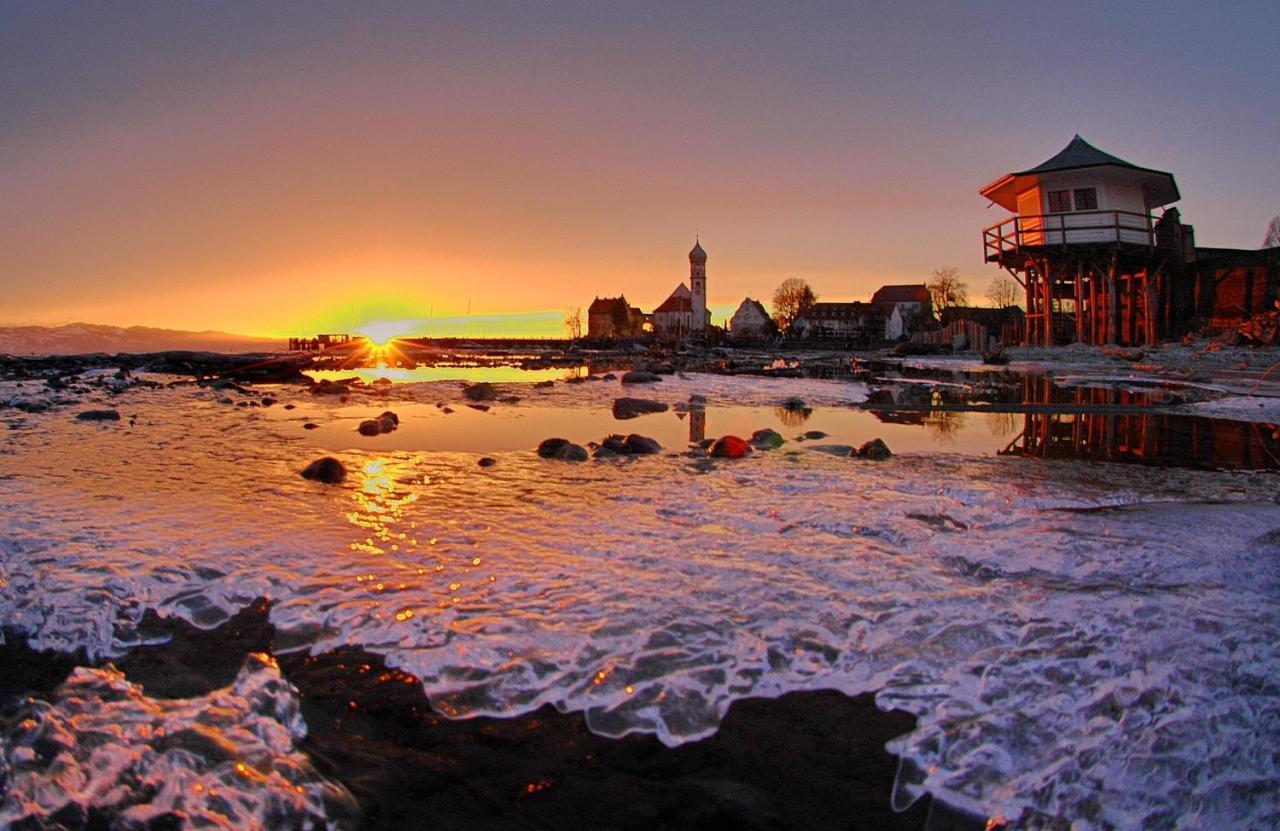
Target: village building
684 312
751 321
906 308
862 322
613 317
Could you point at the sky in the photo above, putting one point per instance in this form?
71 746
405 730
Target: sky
287 168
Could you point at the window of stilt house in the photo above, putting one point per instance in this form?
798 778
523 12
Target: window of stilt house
1086 199
1059 201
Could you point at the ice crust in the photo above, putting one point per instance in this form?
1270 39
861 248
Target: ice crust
228 760
1087 642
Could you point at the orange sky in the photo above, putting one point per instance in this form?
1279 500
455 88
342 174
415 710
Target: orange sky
242 169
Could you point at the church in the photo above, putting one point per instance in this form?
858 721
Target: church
684 312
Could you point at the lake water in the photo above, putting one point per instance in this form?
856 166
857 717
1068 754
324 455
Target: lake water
1079 638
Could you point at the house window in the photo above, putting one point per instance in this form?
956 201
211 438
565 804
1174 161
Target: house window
1086 199
1059 201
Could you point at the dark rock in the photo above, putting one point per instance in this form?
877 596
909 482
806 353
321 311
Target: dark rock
572 453
767 439
577 379
544 384
482 391
509 399
310 426
548 448
815 434
876 450
290 406
729 447
640 376
487 461
326 469
225 400
642 445
608 376
98 415
793 404
446 410
267 401
371 427
484 408
624 408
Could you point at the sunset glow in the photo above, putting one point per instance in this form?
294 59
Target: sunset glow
244 168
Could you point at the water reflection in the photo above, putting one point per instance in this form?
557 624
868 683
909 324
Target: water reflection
1149 439
379 509
451 372
793 416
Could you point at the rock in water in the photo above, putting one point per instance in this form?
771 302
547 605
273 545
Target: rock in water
729 447
624 408
767 439
327 469
640 376
548 448
384 423
642 445
482 391
98 415
572 453
487 461
876 450
793 404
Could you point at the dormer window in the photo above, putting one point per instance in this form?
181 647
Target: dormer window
1086 199
1059 201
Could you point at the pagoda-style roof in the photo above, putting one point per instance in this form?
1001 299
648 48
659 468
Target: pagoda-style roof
1158 186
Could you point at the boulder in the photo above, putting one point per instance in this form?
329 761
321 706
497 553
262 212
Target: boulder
548 448
572 453
640 376
624 408
487 461
729 447
384 423
767 439
794 404
642 445
875 450
98 415
815 434
482 391
310 426
327 469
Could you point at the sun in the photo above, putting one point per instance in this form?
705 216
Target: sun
382 332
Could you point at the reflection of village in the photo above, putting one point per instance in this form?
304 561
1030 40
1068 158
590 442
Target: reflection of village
1141 435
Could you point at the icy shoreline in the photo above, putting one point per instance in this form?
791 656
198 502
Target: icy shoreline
1029 613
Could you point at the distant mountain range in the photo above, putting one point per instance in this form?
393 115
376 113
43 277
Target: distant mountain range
78 338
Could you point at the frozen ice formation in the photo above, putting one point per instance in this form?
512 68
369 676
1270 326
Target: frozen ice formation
101 747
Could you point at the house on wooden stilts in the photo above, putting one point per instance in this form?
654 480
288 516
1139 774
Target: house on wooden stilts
1096 265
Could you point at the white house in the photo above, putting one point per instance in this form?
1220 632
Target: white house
751 321
674 317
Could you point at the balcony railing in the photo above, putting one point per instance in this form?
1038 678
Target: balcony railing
1074 228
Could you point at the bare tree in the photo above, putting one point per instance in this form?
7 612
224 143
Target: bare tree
573 322
790 299
1002 292
1272 239
946 289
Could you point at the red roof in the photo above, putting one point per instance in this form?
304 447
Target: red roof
916 293
675 304
606 305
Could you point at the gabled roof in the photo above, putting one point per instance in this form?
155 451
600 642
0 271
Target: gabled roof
606 305
675 303
748 303
1158 187
914 293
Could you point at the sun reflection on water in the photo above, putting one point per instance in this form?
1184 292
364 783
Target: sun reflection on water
379 509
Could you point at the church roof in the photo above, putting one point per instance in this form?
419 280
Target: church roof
697 256
675 303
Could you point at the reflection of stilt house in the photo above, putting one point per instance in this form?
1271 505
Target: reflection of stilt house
1097 267
1118 425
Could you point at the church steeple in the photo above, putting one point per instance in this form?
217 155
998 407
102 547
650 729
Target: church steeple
698 285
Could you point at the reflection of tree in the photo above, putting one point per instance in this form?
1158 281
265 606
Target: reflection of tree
944 424
1000 425
793 417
